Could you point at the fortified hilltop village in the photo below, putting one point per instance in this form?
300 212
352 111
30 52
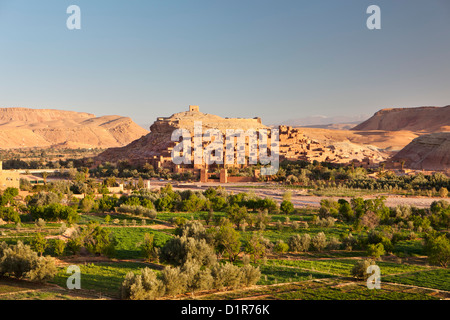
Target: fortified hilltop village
156 148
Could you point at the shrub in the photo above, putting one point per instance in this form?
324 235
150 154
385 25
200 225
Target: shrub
249 275
144 286
40 223
279 225
193 228
286 207
179 250
20 261
281 247
438 249
59 246
375 250
349 242
262 219
359 270
226 276
334 243
197 278
319 241
299 243
174 281
44 270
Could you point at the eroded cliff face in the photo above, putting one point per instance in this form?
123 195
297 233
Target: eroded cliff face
427 152
42 128
422 119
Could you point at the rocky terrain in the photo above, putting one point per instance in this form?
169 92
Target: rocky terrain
158 142
421 119
427 152
42 128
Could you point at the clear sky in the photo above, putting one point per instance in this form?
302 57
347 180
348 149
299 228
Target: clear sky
278 59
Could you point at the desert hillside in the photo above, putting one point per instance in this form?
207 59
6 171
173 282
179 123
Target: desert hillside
427 152
42 128
384 140
422 119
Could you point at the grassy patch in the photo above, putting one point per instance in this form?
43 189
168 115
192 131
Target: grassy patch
436 279
129 240
103 278
343 267
271 274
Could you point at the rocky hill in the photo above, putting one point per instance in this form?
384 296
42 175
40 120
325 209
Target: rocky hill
43 128
421 119
427 152
158 142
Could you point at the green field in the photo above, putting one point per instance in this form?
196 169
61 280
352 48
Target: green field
325 289
436 279
103 278
343 267
129 240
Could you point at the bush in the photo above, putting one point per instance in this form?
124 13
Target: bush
249 275
226 276
98 240
194 229
20 261
40 223
286 207
59 246
280 247
349 242
179 250
299 243
174 281
44 270
438 249
375 250
257 246
359 270
334 243
197 278
144 286
319 241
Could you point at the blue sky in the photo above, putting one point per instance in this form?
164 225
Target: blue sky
279 59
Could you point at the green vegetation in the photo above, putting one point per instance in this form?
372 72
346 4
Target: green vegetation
185 242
